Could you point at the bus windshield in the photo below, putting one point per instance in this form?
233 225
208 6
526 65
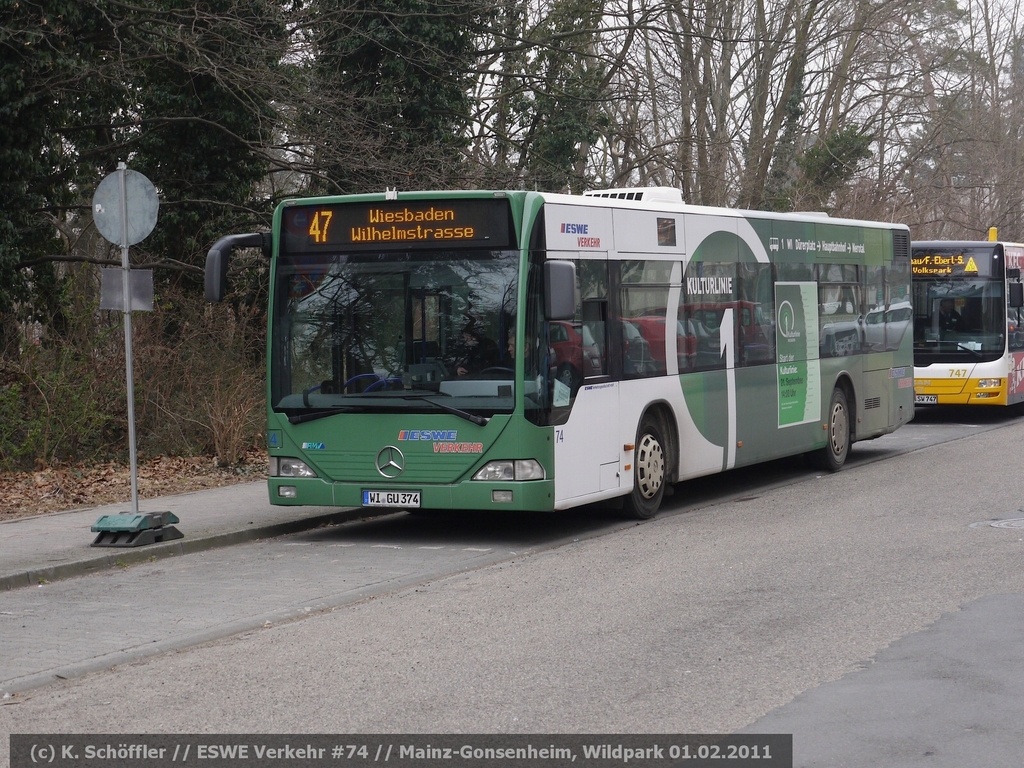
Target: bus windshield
378 331
962 319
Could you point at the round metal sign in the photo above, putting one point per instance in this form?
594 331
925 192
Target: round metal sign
128 221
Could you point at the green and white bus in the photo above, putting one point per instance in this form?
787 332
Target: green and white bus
532 351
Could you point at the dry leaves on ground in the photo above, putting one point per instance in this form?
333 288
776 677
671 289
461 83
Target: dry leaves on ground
55 489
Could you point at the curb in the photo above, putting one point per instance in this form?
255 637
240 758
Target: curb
184 546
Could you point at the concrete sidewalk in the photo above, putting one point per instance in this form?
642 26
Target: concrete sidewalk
36 550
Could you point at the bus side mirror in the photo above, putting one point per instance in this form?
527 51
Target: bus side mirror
1016 295
219 256
559 290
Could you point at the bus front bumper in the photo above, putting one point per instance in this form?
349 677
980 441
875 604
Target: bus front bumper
960 392
537 495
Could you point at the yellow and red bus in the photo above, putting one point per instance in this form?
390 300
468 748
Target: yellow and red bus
968 322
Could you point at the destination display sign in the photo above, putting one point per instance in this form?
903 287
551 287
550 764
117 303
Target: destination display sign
955 262
389 224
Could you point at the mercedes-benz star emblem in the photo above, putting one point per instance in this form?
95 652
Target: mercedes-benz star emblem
390 462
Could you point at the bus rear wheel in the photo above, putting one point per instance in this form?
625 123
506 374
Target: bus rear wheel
568 375
832 457
648 472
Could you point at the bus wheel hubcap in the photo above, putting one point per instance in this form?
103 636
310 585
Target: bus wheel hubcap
839 431
650 466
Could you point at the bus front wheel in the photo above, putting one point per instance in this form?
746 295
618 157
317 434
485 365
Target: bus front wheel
833 455
648 472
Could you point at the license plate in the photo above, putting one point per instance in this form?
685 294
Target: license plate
391 498
926 399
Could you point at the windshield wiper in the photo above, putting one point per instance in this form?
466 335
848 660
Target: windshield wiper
478 420
300 418
938 343
975 352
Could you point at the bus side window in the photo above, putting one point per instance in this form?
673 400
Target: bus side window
593 277
755 326
840 312
643 296
595 331
703 313
1015 331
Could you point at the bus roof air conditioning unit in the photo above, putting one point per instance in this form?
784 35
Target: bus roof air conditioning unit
647 194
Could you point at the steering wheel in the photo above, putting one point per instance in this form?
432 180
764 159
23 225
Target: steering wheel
498 369
307 392
568 375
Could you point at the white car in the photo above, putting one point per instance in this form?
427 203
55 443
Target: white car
884 328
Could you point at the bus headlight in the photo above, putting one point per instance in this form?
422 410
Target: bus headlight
989 383
285 466
518 469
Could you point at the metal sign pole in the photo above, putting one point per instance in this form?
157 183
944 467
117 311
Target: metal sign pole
124 211
126 294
